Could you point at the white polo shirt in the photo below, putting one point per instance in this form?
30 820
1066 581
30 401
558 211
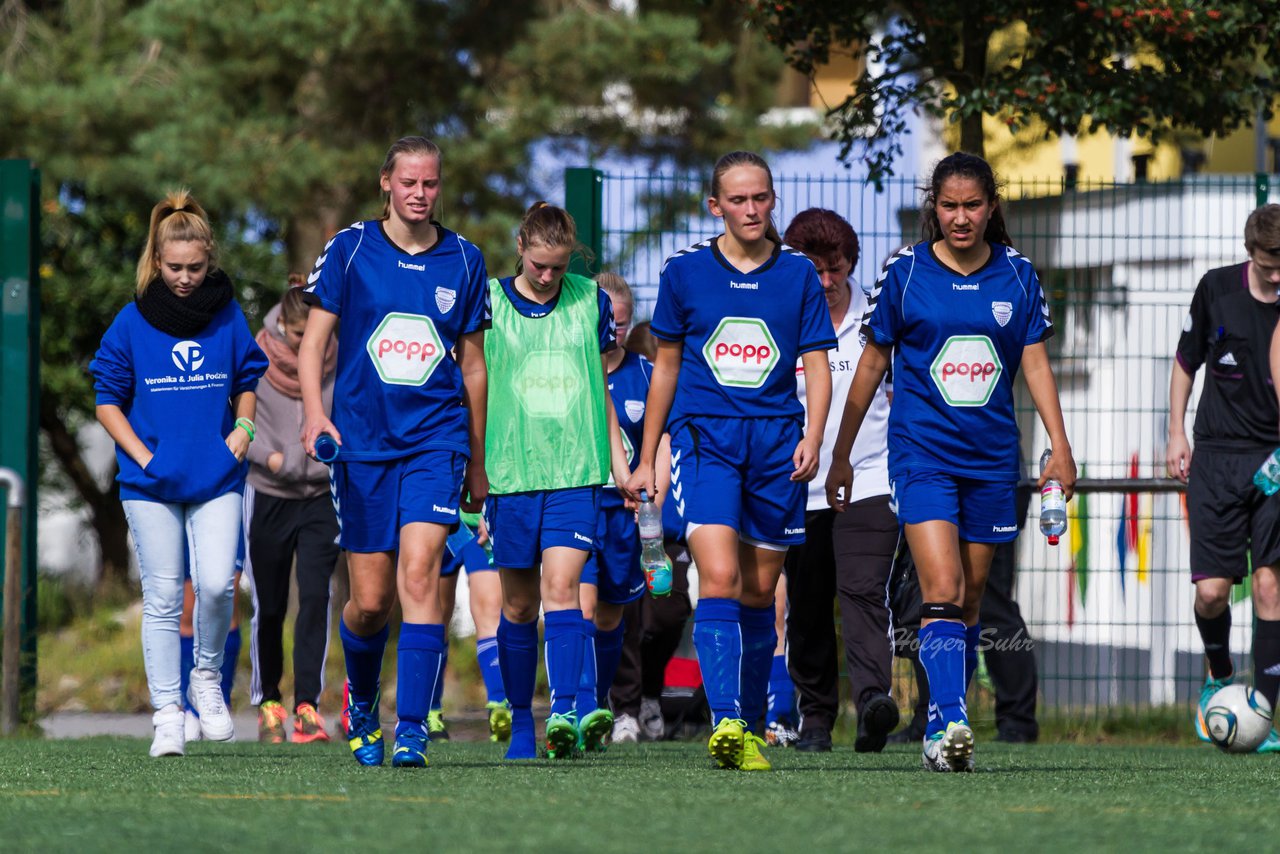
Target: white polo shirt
870 456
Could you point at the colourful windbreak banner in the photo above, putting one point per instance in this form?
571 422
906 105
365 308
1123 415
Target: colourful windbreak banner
1078 568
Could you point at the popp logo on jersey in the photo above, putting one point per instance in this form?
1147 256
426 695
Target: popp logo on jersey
966 369
741 352
188 355
405 349
549 383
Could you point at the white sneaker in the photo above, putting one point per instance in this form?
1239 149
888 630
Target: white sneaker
626 730
205 694
170 739
192 725
652 723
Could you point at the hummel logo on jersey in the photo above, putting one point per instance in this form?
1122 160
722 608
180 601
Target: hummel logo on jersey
970 287
1002 312
1228 359
421 268
581 538
790 531
438 509
1273 670
745 286
1003 529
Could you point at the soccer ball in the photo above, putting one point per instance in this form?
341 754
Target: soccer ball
1238 719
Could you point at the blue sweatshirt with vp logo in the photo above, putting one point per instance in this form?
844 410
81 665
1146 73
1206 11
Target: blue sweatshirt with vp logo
176 393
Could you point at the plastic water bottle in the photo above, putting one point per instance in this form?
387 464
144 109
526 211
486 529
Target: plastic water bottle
326 448
1267 478
459 539
1053 505
653 557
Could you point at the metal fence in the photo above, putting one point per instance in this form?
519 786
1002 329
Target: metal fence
1110 608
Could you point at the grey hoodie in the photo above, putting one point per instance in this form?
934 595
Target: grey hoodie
279 420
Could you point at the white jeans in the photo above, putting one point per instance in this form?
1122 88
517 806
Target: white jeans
163 536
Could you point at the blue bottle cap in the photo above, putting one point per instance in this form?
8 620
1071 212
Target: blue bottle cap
326 448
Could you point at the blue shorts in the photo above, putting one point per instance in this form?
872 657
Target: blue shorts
473 559
984 511
614 566
737 472
376 499
524 524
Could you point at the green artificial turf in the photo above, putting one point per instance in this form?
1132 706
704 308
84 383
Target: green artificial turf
107 794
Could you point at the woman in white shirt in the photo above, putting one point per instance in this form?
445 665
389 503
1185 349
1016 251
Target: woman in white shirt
847 556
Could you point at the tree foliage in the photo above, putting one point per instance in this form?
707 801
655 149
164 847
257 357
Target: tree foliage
1133 67
277 114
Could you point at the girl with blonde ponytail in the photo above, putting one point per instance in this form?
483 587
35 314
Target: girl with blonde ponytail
175 378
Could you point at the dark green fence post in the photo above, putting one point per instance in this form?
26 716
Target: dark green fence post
584 200
1261 189
20 381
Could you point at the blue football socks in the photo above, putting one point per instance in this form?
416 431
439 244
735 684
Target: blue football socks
187 658
230 657
972 634
585 703
608 658
363 657
437 693
563 630
782 693
717 636
759 640
418 660
942 653
487 659
518 658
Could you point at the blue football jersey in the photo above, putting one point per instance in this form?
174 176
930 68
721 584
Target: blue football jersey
604 326
742 332
629 389
398 390
959 342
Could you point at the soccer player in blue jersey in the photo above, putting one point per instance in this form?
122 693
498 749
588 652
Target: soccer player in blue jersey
612 576
551 443
410 421
959 313
733 314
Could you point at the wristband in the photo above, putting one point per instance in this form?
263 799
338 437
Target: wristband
247 426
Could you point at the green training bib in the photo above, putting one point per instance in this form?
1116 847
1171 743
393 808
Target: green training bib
547 427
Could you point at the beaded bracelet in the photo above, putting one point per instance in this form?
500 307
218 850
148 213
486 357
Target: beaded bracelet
247 426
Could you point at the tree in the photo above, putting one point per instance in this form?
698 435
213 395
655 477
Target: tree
277 114
1144 67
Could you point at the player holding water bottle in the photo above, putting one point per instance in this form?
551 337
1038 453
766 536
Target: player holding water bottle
733 314
960 313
